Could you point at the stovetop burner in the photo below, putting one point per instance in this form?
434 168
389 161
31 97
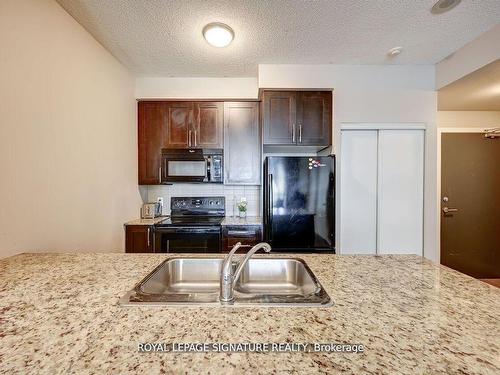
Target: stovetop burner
191 221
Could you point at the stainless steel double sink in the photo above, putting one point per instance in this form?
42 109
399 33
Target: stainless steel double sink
190 281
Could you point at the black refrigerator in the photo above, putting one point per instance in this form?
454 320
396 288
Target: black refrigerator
299 203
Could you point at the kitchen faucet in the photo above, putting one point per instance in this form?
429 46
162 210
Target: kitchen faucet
227 279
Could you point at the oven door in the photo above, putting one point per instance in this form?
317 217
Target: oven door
188 240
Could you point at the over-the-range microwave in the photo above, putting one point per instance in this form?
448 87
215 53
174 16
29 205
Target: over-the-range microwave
192 165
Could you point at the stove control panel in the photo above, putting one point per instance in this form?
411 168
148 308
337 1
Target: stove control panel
194 204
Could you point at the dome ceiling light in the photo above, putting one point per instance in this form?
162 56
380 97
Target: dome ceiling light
218 34
444 6
393 52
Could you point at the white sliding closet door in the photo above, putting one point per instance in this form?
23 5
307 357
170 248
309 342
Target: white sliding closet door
358 186
381 191
400 191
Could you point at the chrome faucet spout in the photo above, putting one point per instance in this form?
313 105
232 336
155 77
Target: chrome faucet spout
263 245
227 279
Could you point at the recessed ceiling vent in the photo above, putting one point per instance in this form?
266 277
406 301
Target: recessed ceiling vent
443 6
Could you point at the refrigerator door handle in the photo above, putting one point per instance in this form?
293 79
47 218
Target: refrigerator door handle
270 205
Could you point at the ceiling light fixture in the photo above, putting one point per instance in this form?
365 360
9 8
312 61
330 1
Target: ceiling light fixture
218 34
444 6
393 52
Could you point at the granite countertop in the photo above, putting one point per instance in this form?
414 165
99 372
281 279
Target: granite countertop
235 220
228 220
154 221
59 313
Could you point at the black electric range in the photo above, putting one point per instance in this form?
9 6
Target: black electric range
194 226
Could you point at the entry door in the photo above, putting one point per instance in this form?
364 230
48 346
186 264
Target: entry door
470 192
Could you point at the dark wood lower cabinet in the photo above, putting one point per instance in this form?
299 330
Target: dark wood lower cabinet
248 235
139 239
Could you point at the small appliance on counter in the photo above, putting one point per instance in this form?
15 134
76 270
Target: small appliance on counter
151 210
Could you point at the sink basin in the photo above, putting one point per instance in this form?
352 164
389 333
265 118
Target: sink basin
263 282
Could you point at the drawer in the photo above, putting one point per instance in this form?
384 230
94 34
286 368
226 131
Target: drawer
243 233
247 235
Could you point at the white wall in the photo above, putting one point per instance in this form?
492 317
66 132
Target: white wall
474 55
68 143
368 94
468 119
196 87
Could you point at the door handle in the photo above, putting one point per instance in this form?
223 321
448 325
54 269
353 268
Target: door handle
447 210
270 206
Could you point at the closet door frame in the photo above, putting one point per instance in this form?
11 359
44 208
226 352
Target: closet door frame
374 126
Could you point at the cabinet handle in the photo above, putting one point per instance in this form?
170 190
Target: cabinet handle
244 233
159 175
293 133
195 138
149 240
189 138
300 132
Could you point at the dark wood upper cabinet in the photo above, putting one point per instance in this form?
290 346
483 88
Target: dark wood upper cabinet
139 239
314 118
151 129
180 124
279 117
302 118
208 125
175 124
194 124
242 148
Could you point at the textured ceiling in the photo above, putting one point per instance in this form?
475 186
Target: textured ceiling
163 38
478 91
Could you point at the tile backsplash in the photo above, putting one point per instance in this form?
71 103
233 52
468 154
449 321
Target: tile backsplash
251 193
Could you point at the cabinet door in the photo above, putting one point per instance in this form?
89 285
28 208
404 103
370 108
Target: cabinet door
279 115
139 239
208 126
314 118
180 119
151 127
242 149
